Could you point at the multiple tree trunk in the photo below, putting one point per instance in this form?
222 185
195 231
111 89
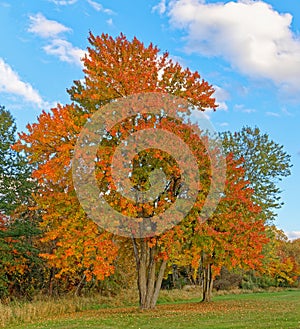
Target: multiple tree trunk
207 283
150 270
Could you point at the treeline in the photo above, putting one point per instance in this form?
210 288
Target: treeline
27 268
49 245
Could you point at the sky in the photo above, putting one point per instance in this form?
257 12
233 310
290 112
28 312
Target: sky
248 50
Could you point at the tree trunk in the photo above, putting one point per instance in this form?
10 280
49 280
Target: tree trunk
207 283
50 282
150 272
80 286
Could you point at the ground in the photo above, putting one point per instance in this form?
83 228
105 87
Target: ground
246 311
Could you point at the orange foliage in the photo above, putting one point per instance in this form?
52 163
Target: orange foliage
234 235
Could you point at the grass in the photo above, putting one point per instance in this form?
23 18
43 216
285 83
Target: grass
262 310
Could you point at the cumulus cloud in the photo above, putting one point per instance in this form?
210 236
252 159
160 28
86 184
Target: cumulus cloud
57 45
65 51
161 7
221 96
98 7
252 36
224 124
44 27
293 235
273 114
110 22
286 112
63 2
11 83
241 108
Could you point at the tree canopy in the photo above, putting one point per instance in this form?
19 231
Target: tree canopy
79 250
265 164
16 183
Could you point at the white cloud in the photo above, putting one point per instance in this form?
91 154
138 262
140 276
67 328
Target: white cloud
98 7
44 27
65 51
241 108
293 235
63 2
286 112
221 96
57 45
249 111
224 124
273 114
161 7
178 59
110 22
252 36
11 83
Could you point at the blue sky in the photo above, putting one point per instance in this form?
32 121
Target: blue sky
249 50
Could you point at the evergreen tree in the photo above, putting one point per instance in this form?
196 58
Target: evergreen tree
18 225
16 184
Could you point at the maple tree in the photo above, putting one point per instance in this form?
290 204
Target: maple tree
118 69
74 245
233 236
113 68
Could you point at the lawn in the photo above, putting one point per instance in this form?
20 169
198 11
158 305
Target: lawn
252 311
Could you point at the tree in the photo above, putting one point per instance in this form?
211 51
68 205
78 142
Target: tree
21 268
118 68
18 253
282 262
265 164
233 236
76 249
15 172
114 68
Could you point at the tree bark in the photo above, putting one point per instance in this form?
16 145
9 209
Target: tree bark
80 286
158 283
207 283
150 272
50 282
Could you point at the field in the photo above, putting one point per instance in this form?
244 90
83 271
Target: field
264 310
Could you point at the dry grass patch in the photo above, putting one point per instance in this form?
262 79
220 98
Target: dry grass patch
125 304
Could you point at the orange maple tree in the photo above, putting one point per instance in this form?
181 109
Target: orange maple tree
114 69
233 236
74 244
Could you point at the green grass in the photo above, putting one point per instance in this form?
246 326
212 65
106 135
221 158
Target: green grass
248 311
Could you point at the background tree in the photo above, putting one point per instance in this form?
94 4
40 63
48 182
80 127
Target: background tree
265 164
16 184
282 262
233 236
18 252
